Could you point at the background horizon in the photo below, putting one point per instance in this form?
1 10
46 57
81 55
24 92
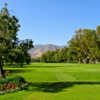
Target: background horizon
53 21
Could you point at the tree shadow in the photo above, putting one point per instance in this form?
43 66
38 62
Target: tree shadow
49 87
37 66
54 87
31 66
7 72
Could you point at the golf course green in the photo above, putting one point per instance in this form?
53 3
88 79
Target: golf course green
59 81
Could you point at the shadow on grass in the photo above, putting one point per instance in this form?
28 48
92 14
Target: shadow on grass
31 66
37 66
16 71
55 86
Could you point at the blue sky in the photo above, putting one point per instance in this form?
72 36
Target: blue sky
53 21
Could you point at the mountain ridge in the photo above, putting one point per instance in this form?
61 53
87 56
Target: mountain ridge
39 49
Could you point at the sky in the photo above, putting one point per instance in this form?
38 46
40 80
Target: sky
53 21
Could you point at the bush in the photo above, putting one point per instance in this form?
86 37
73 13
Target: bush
11 84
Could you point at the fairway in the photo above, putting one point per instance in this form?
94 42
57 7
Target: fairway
57 82
49 50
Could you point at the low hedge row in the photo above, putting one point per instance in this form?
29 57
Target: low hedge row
11 84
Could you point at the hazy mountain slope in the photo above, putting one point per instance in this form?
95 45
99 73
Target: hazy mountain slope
38 50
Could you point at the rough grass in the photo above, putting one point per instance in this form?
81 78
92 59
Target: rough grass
57 82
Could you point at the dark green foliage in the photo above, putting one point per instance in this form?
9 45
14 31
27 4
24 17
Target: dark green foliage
54 56
35 60
12 50
12 80
20 54
84 47
8 35
11 83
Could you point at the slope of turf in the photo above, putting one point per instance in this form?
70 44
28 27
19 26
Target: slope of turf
57 82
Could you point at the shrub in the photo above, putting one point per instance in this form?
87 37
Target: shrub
11 84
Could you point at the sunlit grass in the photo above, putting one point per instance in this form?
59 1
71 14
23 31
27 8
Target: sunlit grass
50 82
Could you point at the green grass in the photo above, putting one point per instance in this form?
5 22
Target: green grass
57 82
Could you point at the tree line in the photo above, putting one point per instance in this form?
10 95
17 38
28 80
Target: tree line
84 47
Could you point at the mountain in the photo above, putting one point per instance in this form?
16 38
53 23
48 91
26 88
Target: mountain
38 50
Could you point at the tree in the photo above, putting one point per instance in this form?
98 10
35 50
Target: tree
86 46
10 47
8 35
25 45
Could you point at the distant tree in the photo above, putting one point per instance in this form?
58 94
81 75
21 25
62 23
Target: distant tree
43 58
55 56
84 43
25 46
63 54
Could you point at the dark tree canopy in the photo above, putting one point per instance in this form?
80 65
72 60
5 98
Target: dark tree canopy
11 48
